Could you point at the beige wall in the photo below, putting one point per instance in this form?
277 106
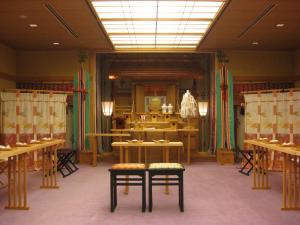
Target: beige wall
45 64
7 60
4 84
7 67
297 66
297 62
261 63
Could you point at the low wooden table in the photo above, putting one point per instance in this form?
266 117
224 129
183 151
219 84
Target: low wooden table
291 171
17 170
93 139
164 131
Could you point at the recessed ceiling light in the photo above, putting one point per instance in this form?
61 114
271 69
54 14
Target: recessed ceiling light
56 43
33 25
280 25
255 43
23 17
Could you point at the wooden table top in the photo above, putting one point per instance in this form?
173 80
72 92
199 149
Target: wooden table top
167 130
31 147
275 147
148 144
108 135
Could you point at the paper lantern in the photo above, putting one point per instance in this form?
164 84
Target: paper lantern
107 108
202 106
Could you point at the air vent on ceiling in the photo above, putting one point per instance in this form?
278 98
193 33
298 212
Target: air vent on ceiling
264 13
61 20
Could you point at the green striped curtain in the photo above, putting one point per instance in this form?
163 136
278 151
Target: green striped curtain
224 113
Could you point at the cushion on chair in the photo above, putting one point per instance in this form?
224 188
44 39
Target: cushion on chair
154 166
128 166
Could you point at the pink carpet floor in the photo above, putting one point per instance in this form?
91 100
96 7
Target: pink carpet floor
214 195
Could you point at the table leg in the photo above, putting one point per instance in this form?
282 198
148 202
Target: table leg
50 168
17 182
146 156
93 140
284 181
167 190
189 148
140 150
121 155
260 171
254 167
126 191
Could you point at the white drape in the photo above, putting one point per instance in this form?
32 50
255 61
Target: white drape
26 116
273 115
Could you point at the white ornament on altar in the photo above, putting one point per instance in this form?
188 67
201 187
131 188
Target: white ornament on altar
188 106
170 108
164 108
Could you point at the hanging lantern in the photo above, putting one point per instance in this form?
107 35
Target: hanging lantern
202 106
107 108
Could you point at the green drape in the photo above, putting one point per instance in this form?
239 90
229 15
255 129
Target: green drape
224 112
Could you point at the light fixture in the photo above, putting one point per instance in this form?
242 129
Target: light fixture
33 25
112 77
56 43
23 17
158 24
255 43
107 108
202 106
280 25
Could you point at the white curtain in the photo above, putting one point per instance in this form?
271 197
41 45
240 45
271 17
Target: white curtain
274 115
26 116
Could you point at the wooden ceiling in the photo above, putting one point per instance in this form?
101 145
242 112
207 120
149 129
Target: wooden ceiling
69 22
246 21
73 24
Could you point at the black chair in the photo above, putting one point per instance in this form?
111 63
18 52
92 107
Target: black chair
65 164
163 170
127 169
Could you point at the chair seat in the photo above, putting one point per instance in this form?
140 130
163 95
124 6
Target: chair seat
156 166
128 166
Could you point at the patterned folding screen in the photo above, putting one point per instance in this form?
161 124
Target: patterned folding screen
274 115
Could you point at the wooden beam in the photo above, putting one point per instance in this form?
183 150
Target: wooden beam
264 78
44 78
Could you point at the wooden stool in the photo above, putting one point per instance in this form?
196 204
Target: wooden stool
65 157
247 166
127 169
166 169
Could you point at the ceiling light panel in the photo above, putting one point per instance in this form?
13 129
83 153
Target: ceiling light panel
156 24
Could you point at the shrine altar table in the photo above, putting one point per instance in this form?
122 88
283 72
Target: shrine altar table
291 171
17 170
164 131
